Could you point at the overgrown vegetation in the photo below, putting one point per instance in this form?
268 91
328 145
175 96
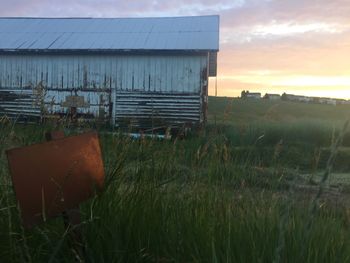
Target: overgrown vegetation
241 190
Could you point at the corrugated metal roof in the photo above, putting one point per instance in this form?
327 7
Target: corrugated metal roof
110 34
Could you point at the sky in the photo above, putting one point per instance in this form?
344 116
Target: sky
274 46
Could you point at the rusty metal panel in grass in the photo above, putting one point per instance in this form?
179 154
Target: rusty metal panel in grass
54 176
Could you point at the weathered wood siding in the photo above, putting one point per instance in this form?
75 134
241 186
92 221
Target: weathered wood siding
119 88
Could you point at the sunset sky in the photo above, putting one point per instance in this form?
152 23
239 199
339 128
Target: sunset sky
275 46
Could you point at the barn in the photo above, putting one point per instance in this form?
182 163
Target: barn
138 72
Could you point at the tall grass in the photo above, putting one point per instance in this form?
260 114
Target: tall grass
219 196
193 200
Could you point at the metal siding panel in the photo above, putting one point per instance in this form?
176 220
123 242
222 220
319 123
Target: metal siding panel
156 75
15 101
6 79
137 77
212 64
188 75
119 74
135 74
126 69
193 73
95 74
144 73
168 71
65 73
114 73
76 72
130 72
147 73
174 74
162 74
153 68
2 70
73 76
8 73
186 70
181 74
174 88
141 108
149 110
188 79
90 75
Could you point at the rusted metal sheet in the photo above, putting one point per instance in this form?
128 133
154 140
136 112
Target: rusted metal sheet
55 176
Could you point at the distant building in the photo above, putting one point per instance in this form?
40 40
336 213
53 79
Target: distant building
272 96
318 100
250 95
342 102
304 99
328 101
315 100
255 95
297 98
288 97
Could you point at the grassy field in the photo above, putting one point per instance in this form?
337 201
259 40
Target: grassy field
263 182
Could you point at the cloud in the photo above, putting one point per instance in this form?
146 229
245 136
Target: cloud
255 12
287 29
111 8
288 57
260 39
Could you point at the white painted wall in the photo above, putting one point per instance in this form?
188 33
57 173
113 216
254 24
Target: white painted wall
93 76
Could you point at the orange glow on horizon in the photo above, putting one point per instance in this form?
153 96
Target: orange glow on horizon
264 82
